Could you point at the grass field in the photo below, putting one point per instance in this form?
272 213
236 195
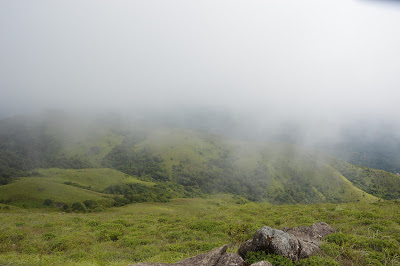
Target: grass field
50 184
97 178
366 233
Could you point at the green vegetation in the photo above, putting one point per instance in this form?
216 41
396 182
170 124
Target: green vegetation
274 259
161 192
193 163
97 178
366 233
379 183
26 145
32 192
57 208
140 163
278 173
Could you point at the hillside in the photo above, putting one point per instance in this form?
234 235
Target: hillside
65 186
181 162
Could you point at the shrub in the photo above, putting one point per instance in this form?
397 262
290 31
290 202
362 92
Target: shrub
48 202
79 207
90 204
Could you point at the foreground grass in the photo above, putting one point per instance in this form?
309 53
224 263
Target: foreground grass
367 233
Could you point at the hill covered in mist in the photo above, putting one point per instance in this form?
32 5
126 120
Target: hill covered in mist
186 161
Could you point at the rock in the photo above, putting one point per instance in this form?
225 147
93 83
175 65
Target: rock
295 243
317 231
210 258
230 259
216 257
262 263
246 246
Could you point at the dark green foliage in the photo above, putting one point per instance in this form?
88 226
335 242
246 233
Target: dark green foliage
161 192
65 206
135 162
255 256
78 207
90 204
48 202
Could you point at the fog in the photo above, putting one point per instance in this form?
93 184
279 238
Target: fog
246 67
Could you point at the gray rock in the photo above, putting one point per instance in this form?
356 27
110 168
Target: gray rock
295 243
230 259
210 258
216 257
246 246
315 231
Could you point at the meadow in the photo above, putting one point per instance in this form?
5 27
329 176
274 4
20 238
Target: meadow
366 233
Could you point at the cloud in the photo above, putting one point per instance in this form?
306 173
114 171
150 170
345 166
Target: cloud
306 61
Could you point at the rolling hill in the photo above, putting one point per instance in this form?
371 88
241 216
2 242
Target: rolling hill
181 162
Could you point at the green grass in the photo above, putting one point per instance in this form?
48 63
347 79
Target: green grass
97 178
180 145
366 233
32 191
89 185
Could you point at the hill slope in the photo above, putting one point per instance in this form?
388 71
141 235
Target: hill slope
279 173
188 161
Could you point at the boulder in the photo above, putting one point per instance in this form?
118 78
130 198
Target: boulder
294 243
216 257
230 259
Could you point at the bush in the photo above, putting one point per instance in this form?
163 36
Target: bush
90 204
79 207
48 202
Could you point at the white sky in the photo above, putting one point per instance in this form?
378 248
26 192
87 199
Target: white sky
307 59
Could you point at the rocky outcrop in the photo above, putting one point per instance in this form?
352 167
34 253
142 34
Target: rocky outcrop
295 243
216 257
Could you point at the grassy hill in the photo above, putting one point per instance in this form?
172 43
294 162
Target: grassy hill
277 172
66 186
31 192
377 182
187 161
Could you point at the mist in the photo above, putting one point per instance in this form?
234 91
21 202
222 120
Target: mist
256 69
